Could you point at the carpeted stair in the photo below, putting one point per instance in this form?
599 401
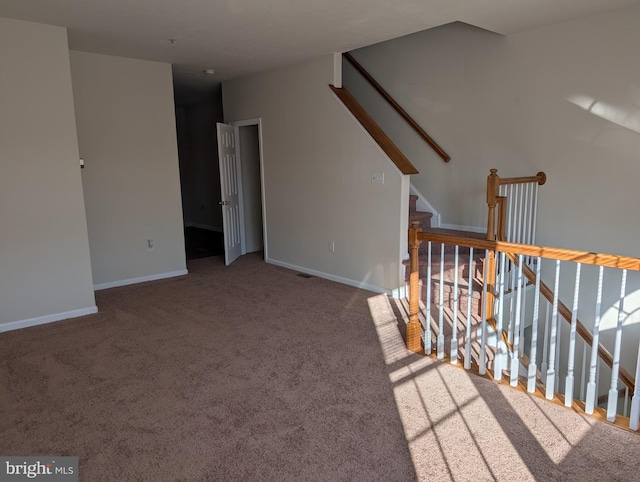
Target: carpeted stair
445 281
424 218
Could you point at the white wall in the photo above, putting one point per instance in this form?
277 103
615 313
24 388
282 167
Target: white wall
127 136
563 99
440 77
317 168
511 103
45 270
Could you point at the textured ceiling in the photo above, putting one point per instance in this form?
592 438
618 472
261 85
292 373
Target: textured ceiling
238 37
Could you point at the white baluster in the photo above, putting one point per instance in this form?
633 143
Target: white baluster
551 370
467 346
522 312
526 222
598 366
592 394
545 344
531 208
584 368
440 342
569 381
525 215
523 211
556 380
531 375
454 329
612 403
427 331
518 209
500 347
482 369
515 361
626 400
512 303
511 216
635 400
535 214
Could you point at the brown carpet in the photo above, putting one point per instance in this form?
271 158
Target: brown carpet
250 372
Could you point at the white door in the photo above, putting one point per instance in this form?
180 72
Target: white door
229 192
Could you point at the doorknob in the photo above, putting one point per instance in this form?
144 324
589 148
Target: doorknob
224 203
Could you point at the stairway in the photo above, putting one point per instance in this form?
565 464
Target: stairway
424 218
444 279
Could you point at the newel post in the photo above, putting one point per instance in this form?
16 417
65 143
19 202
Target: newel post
502 218
493 188
413 328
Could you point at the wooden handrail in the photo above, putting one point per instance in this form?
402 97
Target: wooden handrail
540 178
382 139
414 125
495 201
584 257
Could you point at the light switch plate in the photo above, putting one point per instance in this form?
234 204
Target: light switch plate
377 178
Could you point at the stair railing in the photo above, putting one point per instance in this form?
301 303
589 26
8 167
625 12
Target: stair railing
582 393
512 206
392 102
579 329
515 200
374 130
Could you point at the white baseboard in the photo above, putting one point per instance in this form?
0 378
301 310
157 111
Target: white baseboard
330 277
203 226
41 320
141 279
401 292
460 227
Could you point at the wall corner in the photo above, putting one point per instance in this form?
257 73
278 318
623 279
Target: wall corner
337 70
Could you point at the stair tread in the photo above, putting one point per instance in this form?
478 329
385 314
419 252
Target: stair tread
455 232
416 215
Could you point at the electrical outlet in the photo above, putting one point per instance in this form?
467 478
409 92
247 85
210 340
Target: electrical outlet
377 178
332 246
149 244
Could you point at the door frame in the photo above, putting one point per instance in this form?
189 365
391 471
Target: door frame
237 125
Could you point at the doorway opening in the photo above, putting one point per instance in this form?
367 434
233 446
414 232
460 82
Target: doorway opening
251 187
198 108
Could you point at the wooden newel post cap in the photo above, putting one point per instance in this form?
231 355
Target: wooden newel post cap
415 224
543 178
494 172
